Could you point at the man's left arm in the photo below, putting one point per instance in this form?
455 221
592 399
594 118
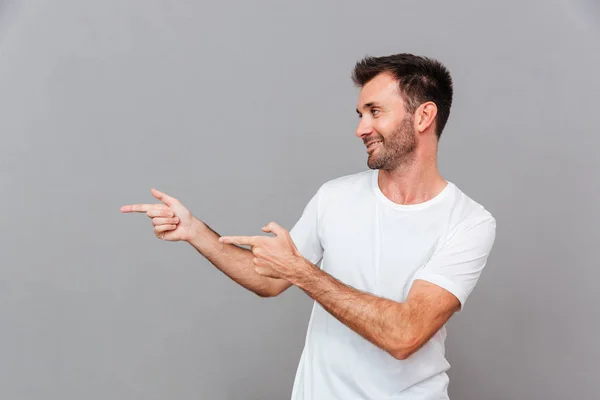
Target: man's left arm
398 328
439 289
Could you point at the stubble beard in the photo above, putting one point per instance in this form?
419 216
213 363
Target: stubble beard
397 150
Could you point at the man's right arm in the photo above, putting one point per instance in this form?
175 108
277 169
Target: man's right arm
233 261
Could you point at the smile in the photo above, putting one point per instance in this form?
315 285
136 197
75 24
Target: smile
372 144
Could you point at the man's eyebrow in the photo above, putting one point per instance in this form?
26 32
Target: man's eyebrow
368 105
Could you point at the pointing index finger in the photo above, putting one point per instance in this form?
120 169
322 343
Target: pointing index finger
141 207
240 240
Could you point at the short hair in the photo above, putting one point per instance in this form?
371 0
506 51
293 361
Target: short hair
420 79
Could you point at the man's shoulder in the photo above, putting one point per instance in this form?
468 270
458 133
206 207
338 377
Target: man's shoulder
468 212
342 188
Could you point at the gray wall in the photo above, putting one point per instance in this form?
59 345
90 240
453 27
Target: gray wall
241 110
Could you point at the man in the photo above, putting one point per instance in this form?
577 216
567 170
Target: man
400 248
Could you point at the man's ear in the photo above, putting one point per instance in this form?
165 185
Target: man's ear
425 116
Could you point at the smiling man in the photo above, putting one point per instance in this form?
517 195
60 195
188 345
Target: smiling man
388 254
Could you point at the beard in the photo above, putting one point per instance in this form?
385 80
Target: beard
397 149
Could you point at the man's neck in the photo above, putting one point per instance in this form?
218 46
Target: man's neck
414 183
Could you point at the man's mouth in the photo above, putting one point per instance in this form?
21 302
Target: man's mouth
372 144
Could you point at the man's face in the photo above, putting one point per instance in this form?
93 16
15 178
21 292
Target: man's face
384 126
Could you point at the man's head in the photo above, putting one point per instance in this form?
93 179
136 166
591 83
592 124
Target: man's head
404 99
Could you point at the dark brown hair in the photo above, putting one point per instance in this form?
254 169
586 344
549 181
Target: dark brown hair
420 79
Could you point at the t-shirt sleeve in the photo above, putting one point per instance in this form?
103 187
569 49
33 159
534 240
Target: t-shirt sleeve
458 264
305 232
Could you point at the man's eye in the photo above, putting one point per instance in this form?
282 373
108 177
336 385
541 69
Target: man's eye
374 112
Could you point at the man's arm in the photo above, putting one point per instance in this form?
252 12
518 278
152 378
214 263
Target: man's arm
233 261
174 222
438 291
398 328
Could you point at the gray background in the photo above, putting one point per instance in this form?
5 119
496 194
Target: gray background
241 110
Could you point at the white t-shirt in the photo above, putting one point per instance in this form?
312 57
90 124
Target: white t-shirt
367 241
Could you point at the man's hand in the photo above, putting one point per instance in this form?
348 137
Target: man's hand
171 220
274 257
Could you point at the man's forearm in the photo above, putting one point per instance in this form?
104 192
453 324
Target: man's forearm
385 323
233 261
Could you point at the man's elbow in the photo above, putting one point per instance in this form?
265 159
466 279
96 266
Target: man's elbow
402 354
404 347
270 291
266 293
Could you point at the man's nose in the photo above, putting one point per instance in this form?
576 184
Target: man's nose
364 127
